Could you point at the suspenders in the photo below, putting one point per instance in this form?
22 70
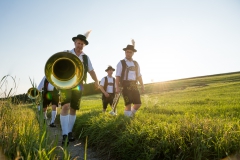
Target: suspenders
106 84
126 68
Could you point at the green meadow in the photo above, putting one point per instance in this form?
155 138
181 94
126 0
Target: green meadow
186 119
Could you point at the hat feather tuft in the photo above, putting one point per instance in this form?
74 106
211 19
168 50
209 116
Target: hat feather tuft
133 42
87 33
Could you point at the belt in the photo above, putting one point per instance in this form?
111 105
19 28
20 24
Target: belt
129 81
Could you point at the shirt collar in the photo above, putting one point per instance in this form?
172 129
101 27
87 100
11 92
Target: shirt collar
75 53
128 60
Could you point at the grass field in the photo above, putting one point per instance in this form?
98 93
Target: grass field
194 118
187 119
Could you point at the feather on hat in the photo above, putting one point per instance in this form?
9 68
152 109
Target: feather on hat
82 37
131 47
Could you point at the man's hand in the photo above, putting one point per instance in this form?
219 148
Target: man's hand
142 89
106 94
117 90
96 85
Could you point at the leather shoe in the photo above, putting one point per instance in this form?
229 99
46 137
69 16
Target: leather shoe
65 139
70 137
52 125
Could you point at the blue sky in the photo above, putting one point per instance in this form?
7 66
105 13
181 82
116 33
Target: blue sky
175 39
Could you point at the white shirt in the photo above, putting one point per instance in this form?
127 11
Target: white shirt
131 74
109 88
90 67
41 85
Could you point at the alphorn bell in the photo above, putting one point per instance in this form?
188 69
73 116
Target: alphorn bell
33 93
64 70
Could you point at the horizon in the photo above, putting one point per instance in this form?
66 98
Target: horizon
202 76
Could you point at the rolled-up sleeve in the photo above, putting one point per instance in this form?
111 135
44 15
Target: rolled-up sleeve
139 73
90 67
41 84
102 81
119 69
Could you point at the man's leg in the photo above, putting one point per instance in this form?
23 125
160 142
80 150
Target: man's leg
54 113
45 113
134 108
127 110
46 102
64 119
127 100
75 105
136 101
104 103
55 101
72 119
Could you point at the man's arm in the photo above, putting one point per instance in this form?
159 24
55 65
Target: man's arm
94 77
117 84
103 91
41 84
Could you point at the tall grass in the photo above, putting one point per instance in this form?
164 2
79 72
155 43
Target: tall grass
195 122
24 134
190 119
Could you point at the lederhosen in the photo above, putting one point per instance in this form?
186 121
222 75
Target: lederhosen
49 96
130 91
108 100
73 96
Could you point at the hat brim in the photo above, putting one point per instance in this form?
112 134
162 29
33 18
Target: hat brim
84 40
109 69
134 50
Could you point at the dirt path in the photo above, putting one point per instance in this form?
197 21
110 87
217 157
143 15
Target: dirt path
75 148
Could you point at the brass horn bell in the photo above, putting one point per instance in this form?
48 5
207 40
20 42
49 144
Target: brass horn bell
33 93
64 70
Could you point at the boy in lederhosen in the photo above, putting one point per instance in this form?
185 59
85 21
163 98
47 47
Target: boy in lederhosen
107 86
128 75
49 96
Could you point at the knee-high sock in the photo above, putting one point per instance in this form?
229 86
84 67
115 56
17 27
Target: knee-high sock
128 113
64 124
45 115
71 122
54 113
133 110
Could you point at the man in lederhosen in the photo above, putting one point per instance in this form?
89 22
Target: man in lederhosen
49 96
107 86
128 75
71 98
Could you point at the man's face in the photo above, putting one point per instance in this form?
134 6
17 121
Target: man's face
79 44
110 72
129 54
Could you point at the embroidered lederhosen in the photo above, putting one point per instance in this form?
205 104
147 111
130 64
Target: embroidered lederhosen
49 96
130 91
76 94
108 100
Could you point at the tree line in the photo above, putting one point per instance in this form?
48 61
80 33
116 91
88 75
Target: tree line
88 89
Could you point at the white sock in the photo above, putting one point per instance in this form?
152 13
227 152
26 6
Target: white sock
45 115
127 113
54 113
71 122
64 124
39 108
133 110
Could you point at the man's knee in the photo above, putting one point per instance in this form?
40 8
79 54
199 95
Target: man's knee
72 111
65 109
